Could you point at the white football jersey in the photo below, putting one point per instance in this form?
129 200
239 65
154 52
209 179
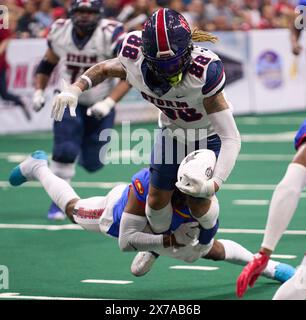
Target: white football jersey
181 106
104 44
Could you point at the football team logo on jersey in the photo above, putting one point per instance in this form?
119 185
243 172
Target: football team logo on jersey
139 186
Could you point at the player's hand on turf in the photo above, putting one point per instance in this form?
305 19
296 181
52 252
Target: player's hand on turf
187 234
251 272
195 187
67 98
38 100
101 109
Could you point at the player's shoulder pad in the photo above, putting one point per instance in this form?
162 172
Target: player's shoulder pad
215 79
214 75
113 34
58 27
131 51
140 184
111 28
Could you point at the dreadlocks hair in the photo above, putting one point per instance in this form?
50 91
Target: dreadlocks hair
202 36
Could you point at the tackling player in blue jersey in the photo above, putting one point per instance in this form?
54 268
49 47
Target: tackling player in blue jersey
186 83
76 44
121 214
284 202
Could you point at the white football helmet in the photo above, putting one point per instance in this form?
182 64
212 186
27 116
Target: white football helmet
199 164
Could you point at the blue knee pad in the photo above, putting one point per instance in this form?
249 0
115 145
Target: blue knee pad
65 152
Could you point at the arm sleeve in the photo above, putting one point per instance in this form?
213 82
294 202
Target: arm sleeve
225 126
132 237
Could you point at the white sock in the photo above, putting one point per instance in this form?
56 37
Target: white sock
58 189
283 204
159 220
209 219
237 254
65 171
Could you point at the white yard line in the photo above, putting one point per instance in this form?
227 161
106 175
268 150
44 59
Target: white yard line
101 281
75 184
283 256
110 185
249 202
19 296
202 268
76 227
269 137
40 227
270 121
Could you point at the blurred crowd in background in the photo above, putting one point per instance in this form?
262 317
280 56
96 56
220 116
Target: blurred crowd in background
33 18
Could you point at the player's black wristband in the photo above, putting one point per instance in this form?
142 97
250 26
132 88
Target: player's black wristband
45 67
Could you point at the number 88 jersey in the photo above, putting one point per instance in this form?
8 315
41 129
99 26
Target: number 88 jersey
181 106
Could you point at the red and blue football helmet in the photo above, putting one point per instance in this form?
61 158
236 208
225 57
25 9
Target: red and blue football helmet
82 23
167 45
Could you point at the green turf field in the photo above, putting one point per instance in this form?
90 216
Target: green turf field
53 263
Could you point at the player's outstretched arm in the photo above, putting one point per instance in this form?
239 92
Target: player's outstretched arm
134 231
99 72
225 127
92 77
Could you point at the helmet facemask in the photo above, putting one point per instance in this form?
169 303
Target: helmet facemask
172 69
85 20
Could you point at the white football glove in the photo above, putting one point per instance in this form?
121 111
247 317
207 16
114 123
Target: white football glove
67 98
187 233
38 100
102 108
195 187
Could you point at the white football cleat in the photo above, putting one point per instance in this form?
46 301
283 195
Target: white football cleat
143 263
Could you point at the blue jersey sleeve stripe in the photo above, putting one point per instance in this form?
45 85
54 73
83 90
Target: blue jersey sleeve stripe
215 75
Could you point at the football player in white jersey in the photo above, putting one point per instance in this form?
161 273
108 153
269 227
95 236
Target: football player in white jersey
77 44
283 205
121 215
186 83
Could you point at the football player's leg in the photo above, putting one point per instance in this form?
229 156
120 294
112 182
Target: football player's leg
66 148
164 165
97 134
232 252
36 167
205 211
87 213
285 199
295 288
